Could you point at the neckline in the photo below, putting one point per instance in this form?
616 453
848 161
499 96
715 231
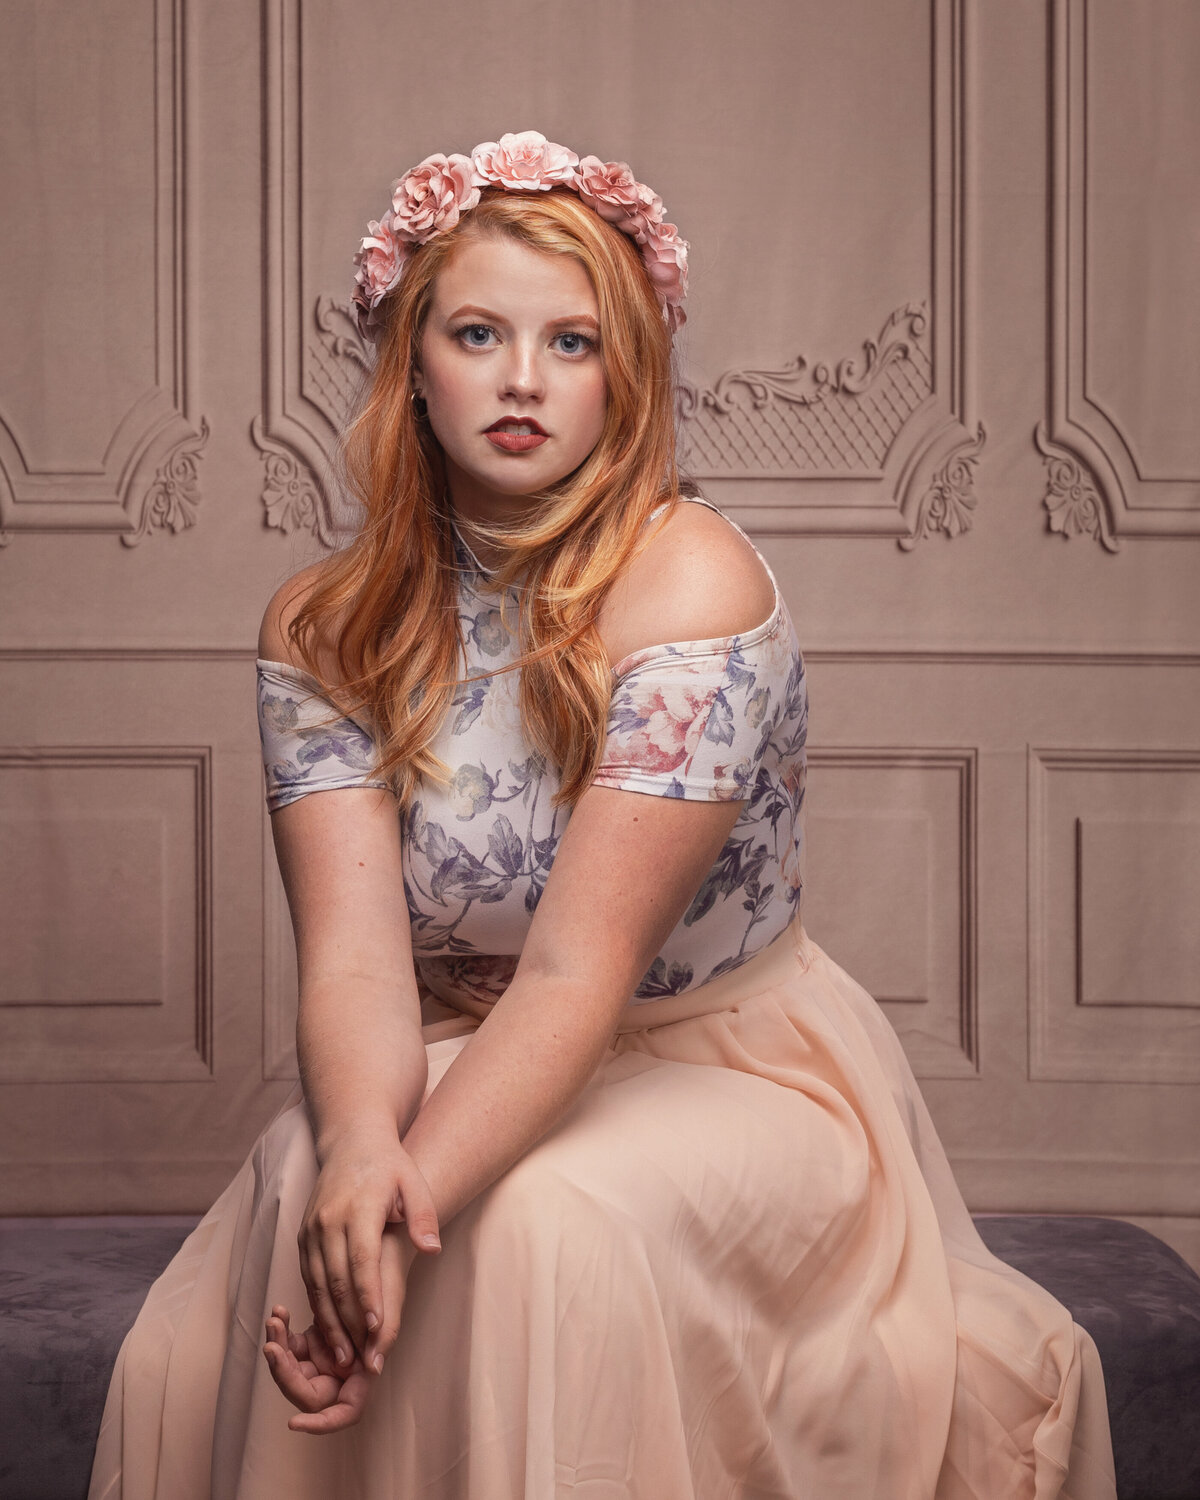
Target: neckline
464 554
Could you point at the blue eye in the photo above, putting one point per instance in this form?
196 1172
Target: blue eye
579 343
465 334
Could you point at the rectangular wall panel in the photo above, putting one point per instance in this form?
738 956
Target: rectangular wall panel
105 916
890 890
1114 879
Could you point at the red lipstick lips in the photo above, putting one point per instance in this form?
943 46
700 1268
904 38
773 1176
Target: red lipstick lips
516 434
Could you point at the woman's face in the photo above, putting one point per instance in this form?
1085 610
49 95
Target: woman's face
512 337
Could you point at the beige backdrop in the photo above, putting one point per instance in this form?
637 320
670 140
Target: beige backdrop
942 360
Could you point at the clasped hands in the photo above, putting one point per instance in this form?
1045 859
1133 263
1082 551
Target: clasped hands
354 1258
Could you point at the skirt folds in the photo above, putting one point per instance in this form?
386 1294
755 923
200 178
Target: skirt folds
738 1267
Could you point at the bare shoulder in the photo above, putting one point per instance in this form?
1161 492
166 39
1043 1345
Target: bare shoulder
697 578
284 605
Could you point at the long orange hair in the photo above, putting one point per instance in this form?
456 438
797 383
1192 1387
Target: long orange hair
386 603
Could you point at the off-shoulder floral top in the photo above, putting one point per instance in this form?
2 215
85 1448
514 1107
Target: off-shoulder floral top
712 720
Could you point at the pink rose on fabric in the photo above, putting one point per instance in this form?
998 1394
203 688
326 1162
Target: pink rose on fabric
665 257
675 719
523 160
380 261
429 198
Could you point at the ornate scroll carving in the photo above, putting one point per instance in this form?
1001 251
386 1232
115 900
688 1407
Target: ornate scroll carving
172 500
292 498
948 504
1073 501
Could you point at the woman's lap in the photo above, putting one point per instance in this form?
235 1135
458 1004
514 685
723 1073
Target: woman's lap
721 1273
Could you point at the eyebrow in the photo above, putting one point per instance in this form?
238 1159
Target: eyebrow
482 312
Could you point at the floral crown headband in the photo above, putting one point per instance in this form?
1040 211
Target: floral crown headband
430 197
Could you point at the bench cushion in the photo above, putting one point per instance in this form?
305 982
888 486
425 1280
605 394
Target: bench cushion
69 1290
1141 1303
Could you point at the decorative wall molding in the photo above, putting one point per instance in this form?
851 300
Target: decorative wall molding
921 481
805 420
896 429
1072 497
1064 1181
297 428
1096 485
1095 1043
293 499
997 656
339 358
949 503
944 1041
171 501
337 362
177 1045
146 479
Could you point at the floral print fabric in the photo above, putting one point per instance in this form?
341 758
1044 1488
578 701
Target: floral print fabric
308 746
715 720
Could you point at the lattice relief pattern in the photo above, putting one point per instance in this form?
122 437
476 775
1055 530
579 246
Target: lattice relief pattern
338 359
809 420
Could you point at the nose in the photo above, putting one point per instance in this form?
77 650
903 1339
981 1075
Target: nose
522 377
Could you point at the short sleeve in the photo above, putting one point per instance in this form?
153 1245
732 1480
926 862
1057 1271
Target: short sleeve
308 744
695 720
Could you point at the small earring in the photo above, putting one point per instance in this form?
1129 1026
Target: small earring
419 405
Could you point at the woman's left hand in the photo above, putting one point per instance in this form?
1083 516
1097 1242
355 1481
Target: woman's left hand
303 1366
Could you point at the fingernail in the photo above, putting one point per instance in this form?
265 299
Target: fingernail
377 1363
372 1322
343 1356
431 1242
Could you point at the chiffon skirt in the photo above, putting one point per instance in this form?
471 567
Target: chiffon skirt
739 1266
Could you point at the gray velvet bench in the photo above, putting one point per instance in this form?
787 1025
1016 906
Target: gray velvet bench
69 1288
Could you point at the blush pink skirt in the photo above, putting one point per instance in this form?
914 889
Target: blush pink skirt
738 1267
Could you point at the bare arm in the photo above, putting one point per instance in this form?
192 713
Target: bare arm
362 1060
623 876
362 1057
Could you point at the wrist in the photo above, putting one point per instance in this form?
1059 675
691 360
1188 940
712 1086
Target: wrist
363 1136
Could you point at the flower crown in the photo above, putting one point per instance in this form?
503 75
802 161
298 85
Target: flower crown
430 198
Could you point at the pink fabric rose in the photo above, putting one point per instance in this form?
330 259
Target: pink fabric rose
524 160
664 255
380 261
429 198
609 187
647 212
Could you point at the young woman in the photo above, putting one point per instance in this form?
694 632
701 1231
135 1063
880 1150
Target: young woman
604 1178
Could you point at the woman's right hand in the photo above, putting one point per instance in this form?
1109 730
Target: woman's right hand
367 1180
